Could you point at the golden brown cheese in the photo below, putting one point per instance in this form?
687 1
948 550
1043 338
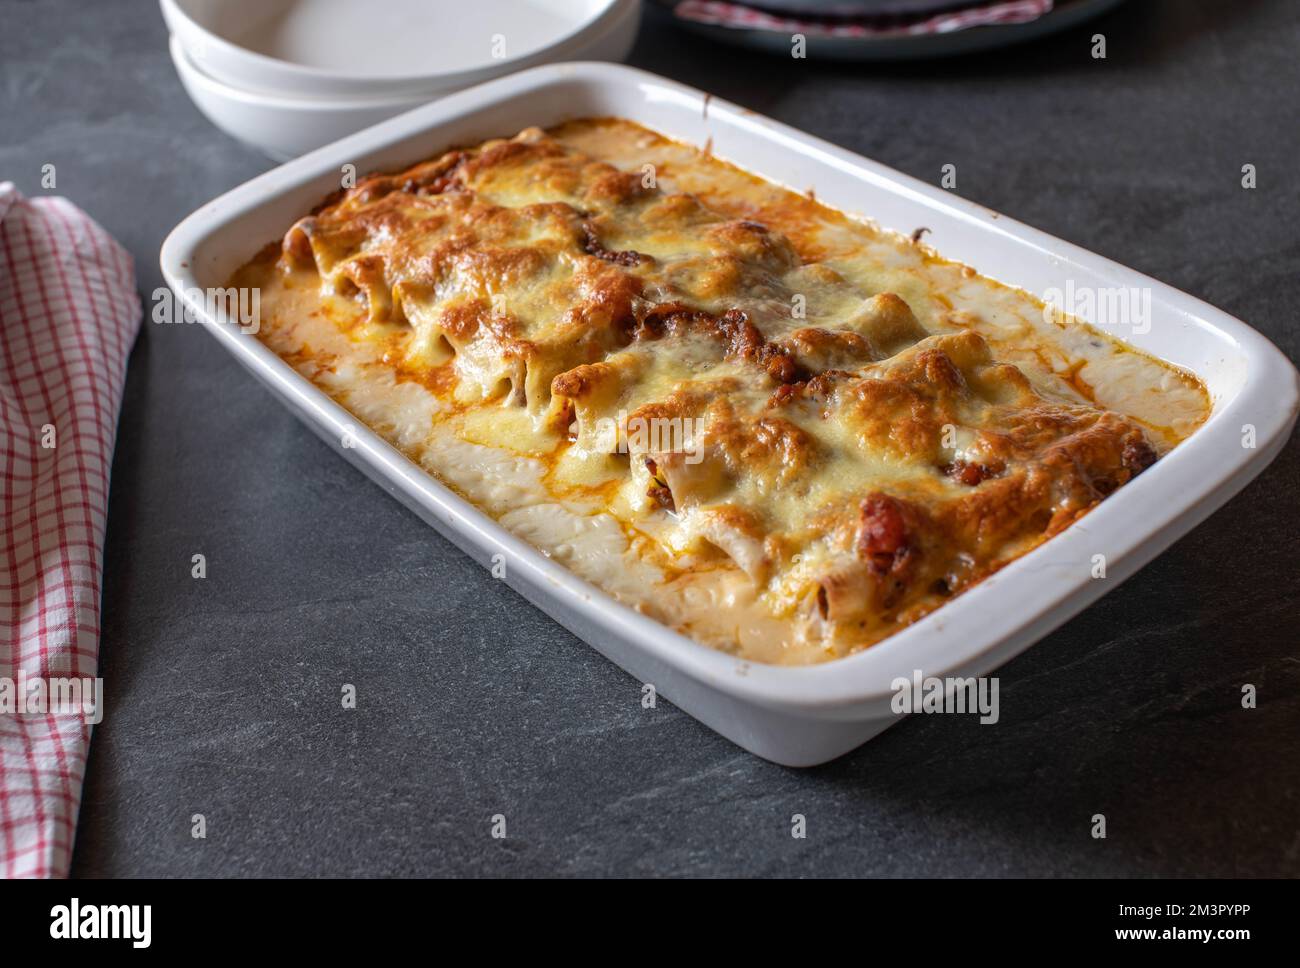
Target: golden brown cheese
778 429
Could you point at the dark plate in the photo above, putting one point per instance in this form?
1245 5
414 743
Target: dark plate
1066 14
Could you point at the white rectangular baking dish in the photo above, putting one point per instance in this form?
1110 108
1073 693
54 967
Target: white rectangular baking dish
794 716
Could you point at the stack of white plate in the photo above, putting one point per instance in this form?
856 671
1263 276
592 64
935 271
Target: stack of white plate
287 76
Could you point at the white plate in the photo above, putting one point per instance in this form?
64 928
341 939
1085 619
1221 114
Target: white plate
382 48
795 716
281 127
285 126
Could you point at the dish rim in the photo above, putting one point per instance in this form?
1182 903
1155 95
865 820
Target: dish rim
1154 510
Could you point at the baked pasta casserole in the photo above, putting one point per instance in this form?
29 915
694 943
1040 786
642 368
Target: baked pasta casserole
780 430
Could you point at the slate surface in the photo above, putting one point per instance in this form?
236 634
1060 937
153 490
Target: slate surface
223 694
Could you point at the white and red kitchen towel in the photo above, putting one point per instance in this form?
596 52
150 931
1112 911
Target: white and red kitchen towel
68 316
743 16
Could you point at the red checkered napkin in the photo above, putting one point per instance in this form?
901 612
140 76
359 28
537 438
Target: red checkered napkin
68 315
722 14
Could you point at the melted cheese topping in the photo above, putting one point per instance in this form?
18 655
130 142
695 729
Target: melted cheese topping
782 431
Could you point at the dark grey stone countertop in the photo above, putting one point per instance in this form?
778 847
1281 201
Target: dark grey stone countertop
223 694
